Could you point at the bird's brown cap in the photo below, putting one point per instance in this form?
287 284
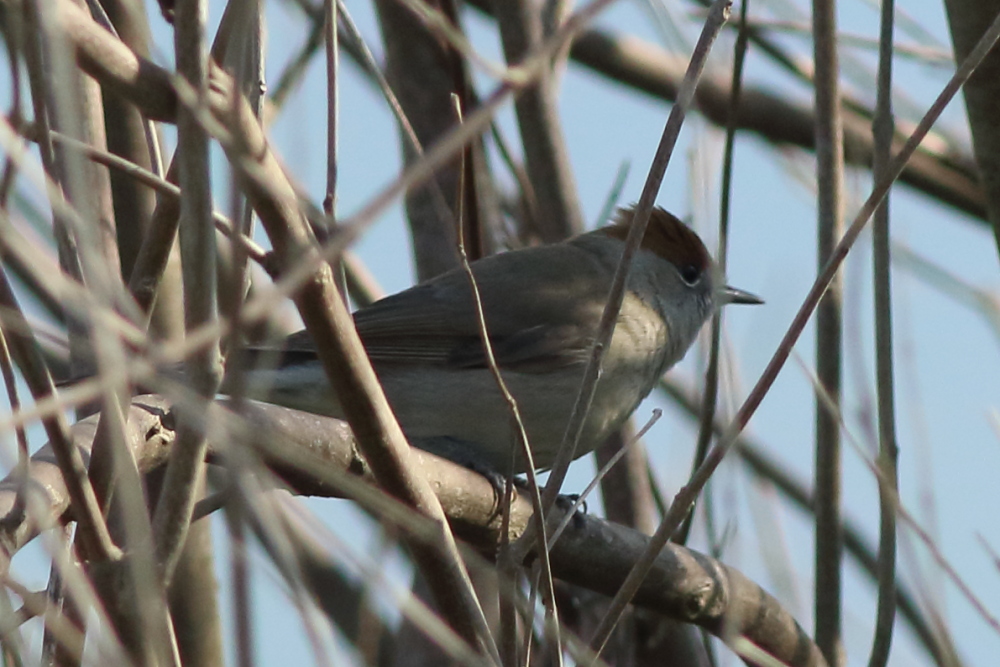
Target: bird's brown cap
665 236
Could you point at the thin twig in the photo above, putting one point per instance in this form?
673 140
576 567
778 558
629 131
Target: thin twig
922 534
528 209
710 398
37 604
926 55
361 284
829 331
601 474
151 259
197 241
162 187
521 435
332 106
251 77
16 113
616 294
10 387
614 194
883 128
331 39
240 582
52 651
25 350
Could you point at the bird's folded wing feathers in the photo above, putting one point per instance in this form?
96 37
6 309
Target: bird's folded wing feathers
435 322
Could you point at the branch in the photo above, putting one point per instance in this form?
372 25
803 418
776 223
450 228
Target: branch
196 234
314 454
545 152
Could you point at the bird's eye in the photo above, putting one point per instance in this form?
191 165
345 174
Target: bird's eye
690 274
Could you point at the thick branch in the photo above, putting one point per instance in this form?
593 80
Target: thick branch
307 451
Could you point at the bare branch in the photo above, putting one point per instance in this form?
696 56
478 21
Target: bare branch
317 456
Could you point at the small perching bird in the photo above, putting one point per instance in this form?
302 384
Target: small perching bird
542 307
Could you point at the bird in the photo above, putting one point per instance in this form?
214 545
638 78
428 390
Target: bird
541 306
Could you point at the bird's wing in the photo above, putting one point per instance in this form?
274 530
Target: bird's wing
539 316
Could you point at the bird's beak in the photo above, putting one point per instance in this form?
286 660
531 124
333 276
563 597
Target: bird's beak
729 295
